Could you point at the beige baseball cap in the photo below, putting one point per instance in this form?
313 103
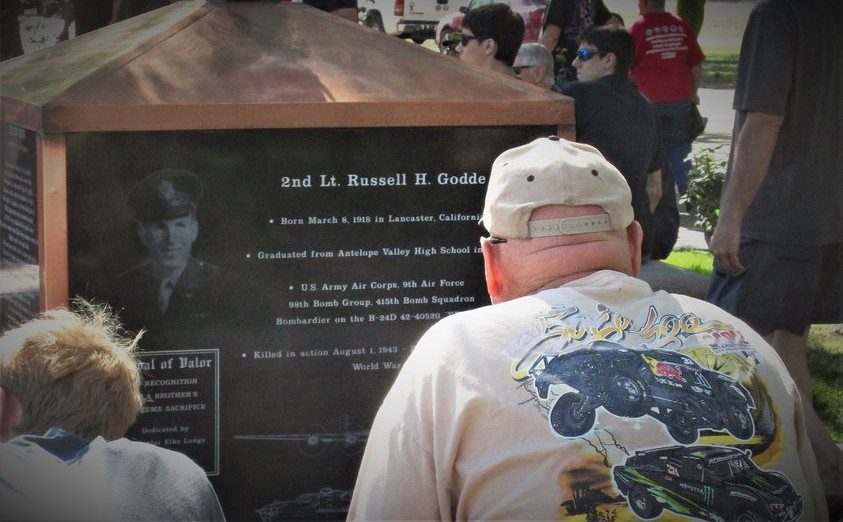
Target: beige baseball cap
554 171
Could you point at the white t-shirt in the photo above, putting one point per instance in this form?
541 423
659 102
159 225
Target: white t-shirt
596 397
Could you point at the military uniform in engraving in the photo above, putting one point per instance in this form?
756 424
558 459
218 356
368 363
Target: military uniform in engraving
171 289
194 298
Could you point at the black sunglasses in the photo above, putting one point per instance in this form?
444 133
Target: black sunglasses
465 38
587 54
518 68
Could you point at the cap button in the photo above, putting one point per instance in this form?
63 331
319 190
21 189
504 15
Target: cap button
553 138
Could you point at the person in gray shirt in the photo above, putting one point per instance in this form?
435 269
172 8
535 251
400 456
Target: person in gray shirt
778 244
69 390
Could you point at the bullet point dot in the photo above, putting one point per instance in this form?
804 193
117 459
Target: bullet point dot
248 255
243 354
291 288
272 221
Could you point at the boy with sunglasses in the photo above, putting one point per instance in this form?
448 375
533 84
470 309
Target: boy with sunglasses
614 117
490 38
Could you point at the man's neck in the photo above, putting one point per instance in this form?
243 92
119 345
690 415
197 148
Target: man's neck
556 283
501 68
171 273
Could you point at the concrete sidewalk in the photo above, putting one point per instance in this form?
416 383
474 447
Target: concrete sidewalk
716 105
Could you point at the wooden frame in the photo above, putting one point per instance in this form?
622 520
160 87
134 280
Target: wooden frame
159 72
51 163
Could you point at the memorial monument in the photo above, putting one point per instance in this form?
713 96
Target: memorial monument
284 200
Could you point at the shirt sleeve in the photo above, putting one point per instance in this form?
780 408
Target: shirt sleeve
553 14
601 13
658 160
215 513
398 477
637 32
765 68
695 55
396 481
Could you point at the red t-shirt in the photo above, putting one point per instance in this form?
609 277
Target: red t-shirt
665 50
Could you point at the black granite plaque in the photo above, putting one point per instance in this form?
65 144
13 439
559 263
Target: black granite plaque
181 404
19 296
316 260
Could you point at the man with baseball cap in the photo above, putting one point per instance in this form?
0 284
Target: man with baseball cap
170 288
580 390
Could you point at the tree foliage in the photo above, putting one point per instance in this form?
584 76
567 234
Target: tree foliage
693 12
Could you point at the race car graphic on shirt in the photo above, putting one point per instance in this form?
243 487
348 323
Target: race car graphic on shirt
621 387
716 483
663 384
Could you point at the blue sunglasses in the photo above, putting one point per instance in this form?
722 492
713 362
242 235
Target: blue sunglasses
587 54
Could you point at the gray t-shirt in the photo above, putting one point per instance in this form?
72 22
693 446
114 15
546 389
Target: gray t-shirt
59 476
790 65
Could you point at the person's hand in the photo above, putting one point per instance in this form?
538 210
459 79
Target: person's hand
725 246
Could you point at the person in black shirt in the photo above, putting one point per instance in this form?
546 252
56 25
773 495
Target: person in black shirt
563 22
614 117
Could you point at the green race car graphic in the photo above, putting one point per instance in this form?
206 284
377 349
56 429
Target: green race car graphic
717 483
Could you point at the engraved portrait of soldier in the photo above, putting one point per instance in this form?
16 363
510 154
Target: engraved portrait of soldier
169 288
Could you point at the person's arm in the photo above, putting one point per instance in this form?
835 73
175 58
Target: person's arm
696 79
115 11
654 189
349 13
601 13
549 37
69 16
398 478
753 151
552 22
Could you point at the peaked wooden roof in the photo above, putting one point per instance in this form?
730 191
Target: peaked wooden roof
198 65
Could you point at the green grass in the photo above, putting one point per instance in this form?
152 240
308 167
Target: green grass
825 360
699 261
719 70
825 352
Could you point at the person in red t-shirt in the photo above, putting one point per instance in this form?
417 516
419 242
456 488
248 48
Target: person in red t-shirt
667 69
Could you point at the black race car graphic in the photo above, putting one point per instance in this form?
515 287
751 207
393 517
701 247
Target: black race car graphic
663 384
716 483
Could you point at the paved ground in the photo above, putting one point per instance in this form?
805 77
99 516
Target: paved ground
716 105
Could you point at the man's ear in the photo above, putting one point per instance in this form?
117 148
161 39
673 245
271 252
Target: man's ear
11 415
611 62
541 73
492 268
634 237
490 47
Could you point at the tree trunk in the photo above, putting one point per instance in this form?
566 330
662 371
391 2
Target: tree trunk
693 12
